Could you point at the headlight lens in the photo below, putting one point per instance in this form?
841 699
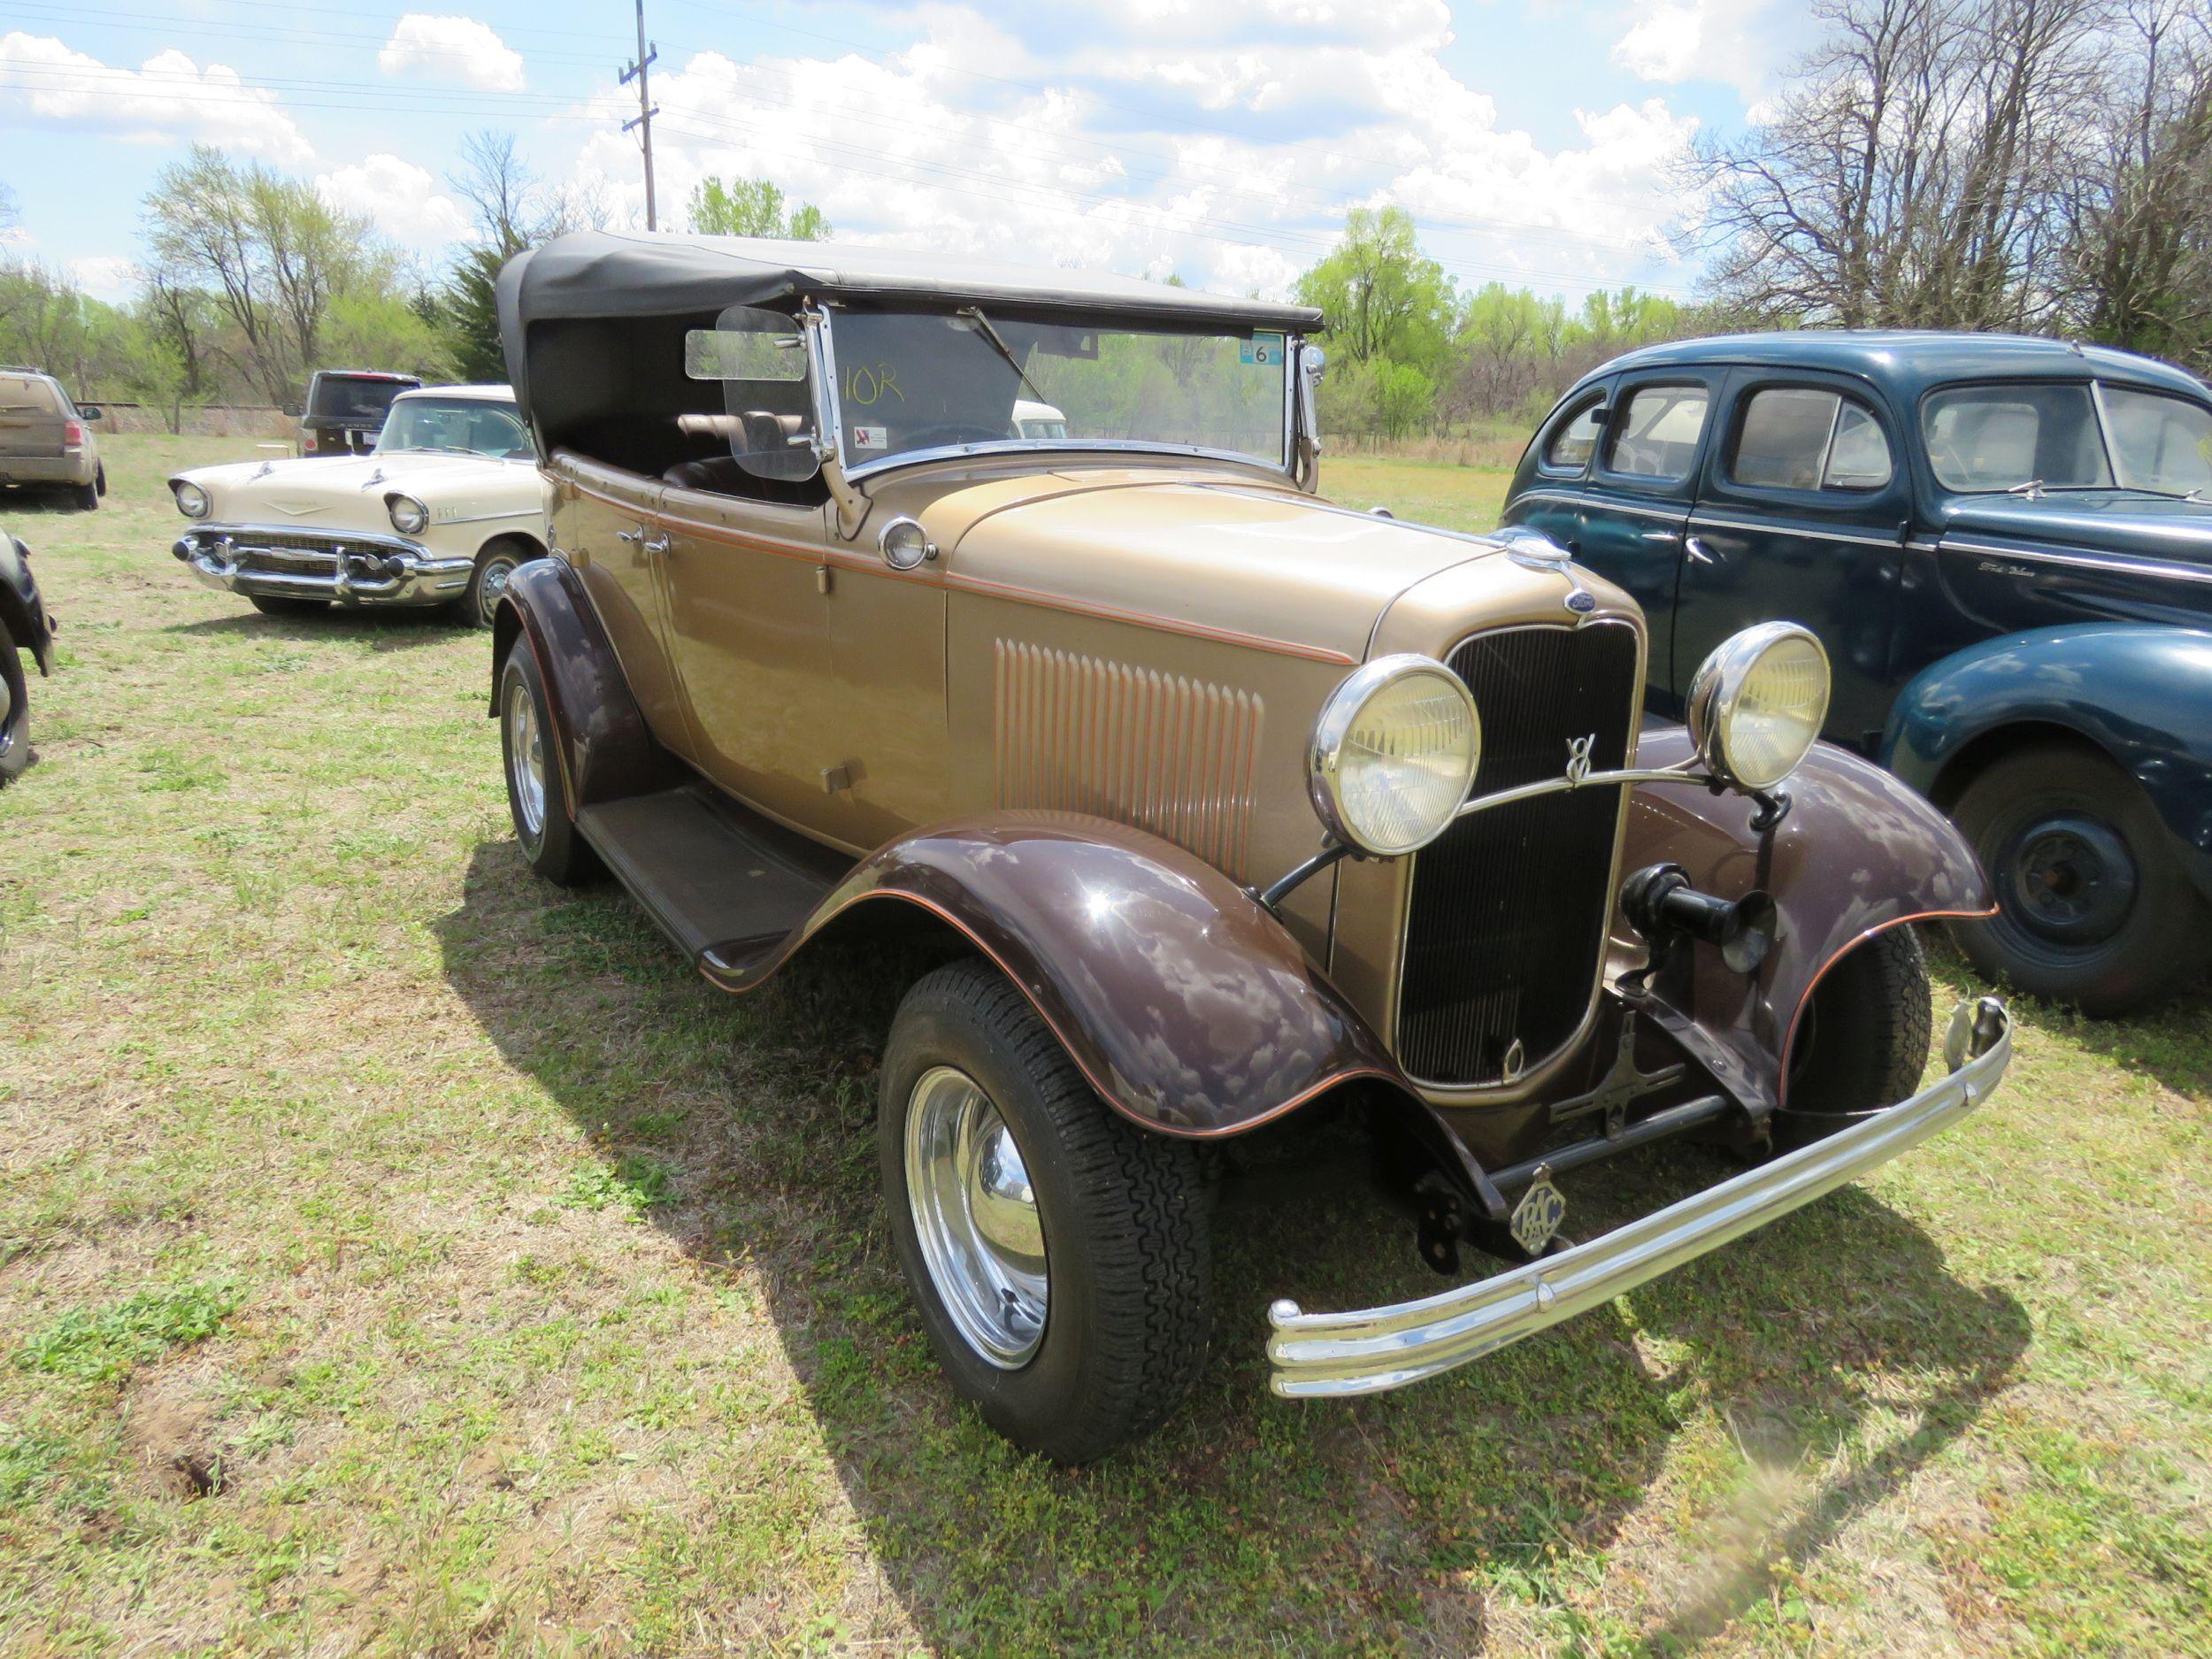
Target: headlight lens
410 517
1393 755
192 501
1758 702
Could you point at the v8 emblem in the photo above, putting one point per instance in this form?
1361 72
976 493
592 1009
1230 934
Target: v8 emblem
1578 757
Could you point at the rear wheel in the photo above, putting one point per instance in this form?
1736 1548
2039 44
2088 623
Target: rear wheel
2094 907
536 798
85 497
15 713
1058 1253
277 606
1862 1040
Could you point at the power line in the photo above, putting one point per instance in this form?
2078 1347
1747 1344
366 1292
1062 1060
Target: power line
346 95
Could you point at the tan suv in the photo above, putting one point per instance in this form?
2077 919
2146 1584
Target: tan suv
46 441
1220 802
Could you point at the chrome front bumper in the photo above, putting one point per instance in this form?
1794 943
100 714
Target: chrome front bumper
1324 1356
294 563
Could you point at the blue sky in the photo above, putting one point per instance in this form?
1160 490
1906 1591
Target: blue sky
1219 139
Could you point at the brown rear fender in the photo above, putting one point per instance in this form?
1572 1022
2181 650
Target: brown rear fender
1187 1006
1860 852
605 751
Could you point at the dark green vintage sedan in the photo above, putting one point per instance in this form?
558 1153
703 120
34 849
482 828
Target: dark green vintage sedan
2005 544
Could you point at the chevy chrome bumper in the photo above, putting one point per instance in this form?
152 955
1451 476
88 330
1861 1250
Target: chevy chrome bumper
303 564
1324 1356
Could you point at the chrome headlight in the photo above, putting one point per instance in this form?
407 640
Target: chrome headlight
409 516
1758 702
192 501
1393 755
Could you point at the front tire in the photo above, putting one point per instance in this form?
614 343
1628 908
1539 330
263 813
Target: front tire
1058 1253
2094 908
494 565
1861 1040
537 799
15 713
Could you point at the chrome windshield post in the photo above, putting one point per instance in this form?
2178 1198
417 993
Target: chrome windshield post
829 422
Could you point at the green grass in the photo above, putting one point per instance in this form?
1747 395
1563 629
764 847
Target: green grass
400 1256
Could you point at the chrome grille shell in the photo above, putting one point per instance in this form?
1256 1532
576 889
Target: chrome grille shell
1507 913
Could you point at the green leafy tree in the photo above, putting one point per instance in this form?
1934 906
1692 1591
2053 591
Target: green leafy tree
514 209
753 207
1382 295
272 253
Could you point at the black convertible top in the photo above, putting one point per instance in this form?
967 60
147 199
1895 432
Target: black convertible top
598 274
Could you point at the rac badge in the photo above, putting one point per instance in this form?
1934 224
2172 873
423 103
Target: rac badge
1537 1216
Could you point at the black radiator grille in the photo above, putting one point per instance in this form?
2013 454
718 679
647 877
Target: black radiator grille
1506 921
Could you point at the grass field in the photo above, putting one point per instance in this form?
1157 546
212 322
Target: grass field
398 1255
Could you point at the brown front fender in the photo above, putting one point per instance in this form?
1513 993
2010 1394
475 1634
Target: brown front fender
1859 852
1187 1006
605 751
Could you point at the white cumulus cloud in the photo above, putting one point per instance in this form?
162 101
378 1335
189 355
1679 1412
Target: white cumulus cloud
169 97
106 276
1739 42
1235 172
405 202
447 47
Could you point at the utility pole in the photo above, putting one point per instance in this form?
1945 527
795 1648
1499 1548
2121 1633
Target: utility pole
647 110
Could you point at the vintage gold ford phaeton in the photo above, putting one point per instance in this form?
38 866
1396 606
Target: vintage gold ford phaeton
1225 803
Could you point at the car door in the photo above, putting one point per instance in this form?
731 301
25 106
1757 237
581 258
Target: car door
749 583
1800 518
1636 506
605 521
1549 496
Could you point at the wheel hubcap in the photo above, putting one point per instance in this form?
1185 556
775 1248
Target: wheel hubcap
495 583
975 1213
525 757
2070 877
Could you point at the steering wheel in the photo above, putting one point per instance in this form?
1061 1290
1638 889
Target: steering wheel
1944 452
946 432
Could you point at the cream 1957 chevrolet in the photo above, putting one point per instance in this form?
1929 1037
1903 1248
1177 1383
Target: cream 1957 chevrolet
444 510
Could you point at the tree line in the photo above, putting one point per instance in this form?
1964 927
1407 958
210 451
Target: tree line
2032 165
251 281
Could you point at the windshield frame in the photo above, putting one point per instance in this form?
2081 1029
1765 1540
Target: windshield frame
2096 385
829 414
424 395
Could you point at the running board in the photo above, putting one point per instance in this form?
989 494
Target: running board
718 879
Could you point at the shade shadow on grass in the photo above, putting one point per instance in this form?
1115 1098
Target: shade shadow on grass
1400 1522
397 628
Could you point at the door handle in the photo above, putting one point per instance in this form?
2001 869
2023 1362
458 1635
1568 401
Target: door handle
657 544
1695 548
629 535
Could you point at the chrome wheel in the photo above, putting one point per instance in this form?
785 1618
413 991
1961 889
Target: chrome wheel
526 756
491 582
976 1217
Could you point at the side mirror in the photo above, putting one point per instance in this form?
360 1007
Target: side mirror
86 411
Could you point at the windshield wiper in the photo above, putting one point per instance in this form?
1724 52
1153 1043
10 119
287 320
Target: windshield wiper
974 314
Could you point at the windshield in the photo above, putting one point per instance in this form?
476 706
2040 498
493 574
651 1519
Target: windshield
2010 437
463 426
909 383
352 397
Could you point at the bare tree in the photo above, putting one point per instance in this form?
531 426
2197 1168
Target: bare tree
1917 170
272 253
2139 267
